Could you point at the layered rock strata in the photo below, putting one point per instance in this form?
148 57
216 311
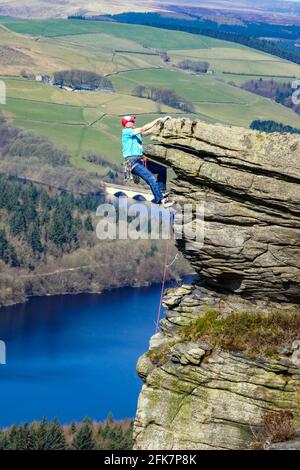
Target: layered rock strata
197 395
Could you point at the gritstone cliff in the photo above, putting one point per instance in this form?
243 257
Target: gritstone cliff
202 392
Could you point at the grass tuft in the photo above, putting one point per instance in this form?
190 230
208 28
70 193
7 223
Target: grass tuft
279 426
276 427
261 334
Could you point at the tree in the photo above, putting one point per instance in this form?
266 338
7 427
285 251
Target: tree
29 437
13 437
73 428
197 66
41 435
46 201
165 96
113 436
55 437
81 79
24 73
29 206
12 257
4 441
7 251
77 223
56 228
50 436
34 239
83 439
88 224
272 126
109 418
17 223
24 438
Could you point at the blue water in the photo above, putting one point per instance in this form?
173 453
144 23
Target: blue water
74 356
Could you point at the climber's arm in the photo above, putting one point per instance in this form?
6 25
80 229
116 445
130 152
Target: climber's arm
148 132
147 128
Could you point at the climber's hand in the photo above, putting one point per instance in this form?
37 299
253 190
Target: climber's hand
164 119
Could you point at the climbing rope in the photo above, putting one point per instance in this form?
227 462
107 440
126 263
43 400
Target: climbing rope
171 264
163 284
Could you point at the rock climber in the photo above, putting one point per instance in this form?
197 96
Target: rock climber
132 149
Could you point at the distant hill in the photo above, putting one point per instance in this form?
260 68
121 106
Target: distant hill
225 12
59 8
128 56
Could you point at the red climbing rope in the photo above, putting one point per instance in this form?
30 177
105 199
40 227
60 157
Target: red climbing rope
163 284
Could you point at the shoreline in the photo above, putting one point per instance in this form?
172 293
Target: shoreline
106 289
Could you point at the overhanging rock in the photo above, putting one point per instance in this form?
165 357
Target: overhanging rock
249 184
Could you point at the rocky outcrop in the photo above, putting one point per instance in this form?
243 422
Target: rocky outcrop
293 444
249 184
199 397
196 394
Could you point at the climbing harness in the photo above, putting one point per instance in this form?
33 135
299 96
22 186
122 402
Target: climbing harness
127 171
128 175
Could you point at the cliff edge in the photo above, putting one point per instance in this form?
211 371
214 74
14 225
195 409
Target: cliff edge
224 371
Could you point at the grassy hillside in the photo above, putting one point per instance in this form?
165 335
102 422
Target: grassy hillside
128 55
240 61
81 122
142 35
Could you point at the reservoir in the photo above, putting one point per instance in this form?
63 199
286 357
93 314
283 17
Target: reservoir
74 356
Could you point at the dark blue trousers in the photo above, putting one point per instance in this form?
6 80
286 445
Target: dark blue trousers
147 174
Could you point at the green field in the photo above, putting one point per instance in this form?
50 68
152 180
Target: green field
91 123
84 122
143 35
193 87
214 100
241 60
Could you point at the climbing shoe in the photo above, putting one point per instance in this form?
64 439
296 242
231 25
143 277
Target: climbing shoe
166 203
